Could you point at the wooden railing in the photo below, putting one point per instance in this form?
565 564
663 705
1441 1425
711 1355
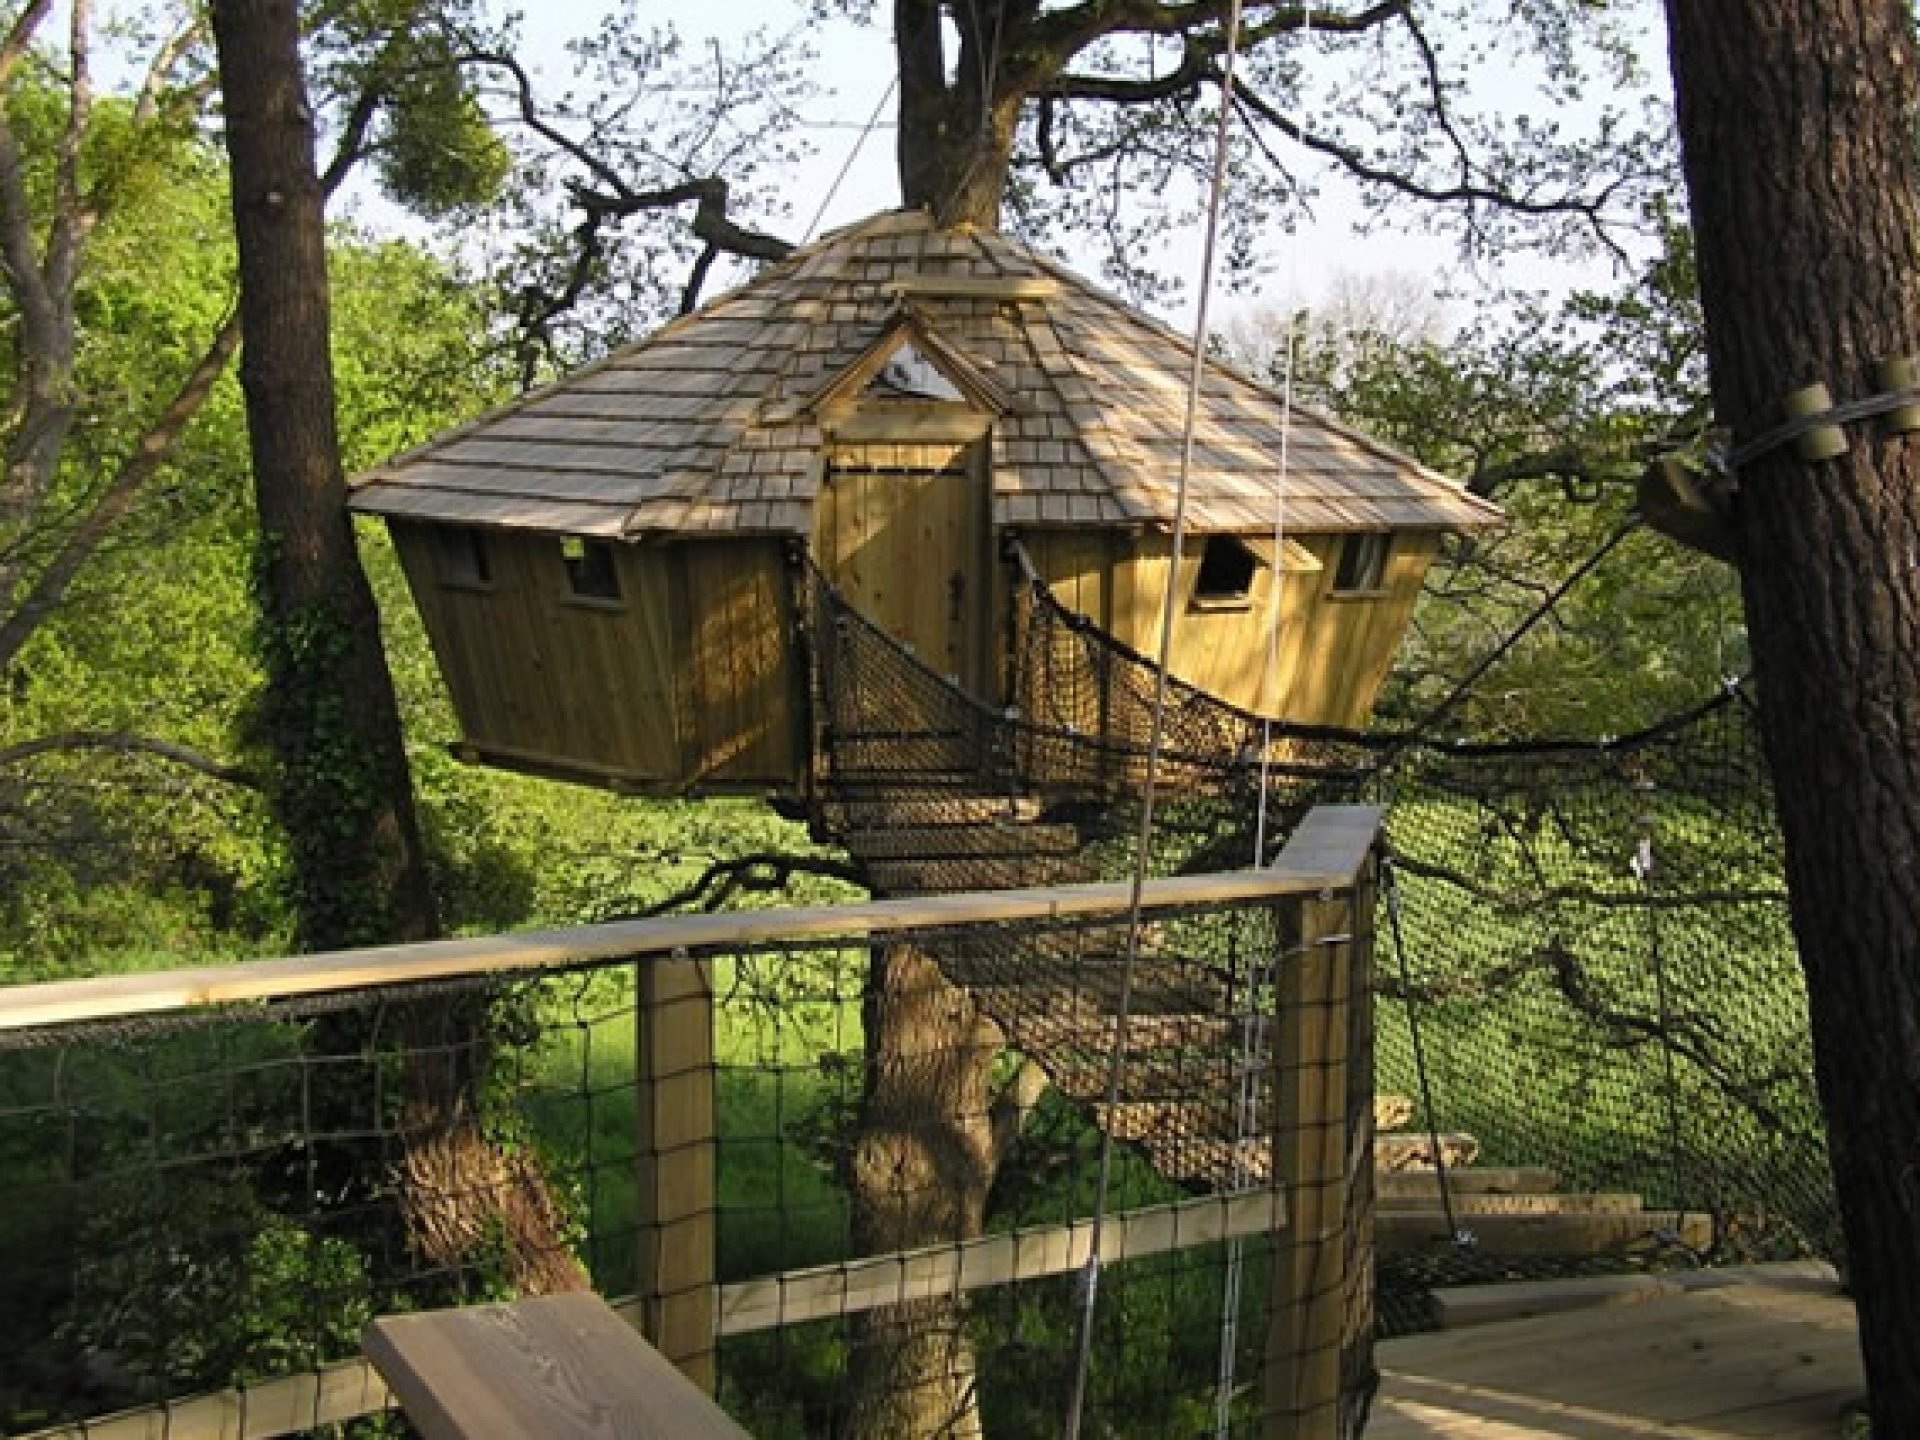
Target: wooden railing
1327 868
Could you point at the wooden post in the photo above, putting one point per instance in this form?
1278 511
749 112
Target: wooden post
1309 1292
677 1199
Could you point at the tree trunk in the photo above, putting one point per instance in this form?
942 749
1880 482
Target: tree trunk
1798 120
341 786
343 791
956 136
924 1159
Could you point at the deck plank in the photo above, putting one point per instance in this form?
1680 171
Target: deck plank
1737 1363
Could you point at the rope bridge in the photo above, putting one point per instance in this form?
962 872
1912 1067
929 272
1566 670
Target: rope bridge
1596 1015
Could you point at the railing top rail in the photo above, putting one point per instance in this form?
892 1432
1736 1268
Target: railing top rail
1324 854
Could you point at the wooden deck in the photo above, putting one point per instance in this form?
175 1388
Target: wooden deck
1779 1360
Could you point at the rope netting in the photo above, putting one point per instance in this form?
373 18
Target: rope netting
1597 953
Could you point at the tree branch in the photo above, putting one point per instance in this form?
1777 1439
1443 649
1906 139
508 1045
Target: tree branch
1066 33
607 198
120 742
763 874
153 450
20 37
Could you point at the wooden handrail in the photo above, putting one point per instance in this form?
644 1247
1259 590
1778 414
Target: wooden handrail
1324 855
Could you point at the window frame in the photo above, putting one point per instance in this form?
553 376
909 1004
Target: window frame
575 551
1360 572
1224 599
462 558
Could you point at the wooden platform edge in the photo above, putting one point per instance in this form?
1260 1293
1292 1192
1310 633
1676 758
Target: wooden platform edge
549 1366
1459 1307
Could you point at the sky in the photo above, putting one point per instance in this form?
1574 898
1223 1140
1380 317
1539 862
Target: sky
1305 260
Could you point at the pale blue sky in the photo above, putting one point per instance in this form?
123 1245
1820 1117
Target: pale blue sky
1333 247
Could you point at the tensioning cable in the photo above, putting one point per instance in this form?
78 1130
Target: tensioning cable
1116 1067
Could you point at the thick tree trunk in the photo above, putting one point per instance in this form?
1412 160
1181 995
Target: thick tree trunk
1798 119
924 1159
341 789
956 136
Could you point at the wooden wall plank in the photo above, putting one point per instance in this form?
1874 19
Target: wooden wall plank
534 672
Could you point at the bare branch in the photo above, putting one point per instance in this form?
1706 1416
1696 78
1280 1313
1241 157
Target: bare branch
766 873
607 199
1463 190
121 743
153 87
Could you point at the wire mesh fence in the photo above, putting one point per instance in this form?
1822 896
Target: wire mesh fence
828 1177
1594 995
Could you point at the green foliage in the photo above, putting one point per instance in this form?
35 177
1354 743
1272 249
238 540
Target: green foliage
234 1293
1553 412
439 154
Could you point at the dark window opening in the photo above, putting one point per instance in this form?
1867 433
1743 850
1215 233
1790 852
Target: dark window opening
1363 564
1226 572
460 557
591 573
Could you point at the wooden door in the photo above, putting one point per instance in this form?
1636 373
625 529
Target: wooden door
911 549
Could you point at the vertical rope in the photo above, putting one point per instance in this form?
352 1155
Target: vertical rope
1116 1069
1259 976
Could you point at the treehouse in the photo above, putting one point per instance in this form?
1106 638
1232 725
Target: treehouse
614 571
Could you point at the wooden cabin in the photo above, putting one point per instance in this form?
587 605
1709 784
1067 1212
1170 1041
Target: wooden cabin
609 568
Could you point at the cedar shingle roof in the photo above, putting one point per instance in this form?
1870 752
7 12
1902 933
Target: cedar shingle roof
708 424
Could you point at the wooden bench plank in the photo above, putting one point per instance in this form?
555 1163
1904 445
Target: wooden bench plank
556 1367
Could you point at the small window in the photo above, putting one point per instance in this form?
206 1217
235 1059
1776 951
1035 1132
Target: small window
1363 564
591 573
460 558
1226 573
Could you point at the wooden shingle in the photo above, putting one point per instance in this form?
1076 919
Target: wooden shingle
705 425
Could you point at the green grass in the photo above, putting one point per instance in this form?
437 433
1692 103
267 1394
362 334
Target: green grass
787 1047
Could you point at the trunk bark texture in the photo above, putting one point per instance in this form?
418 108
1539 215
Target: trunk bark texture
956 133
342 788
1798 120
924 1159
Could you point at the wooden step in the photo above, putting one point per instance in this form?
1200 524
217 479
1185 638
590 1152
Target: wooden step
1568 1234
1413 1150
1460 1306
1494 1180
1482 1203
912 808
1392 1112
